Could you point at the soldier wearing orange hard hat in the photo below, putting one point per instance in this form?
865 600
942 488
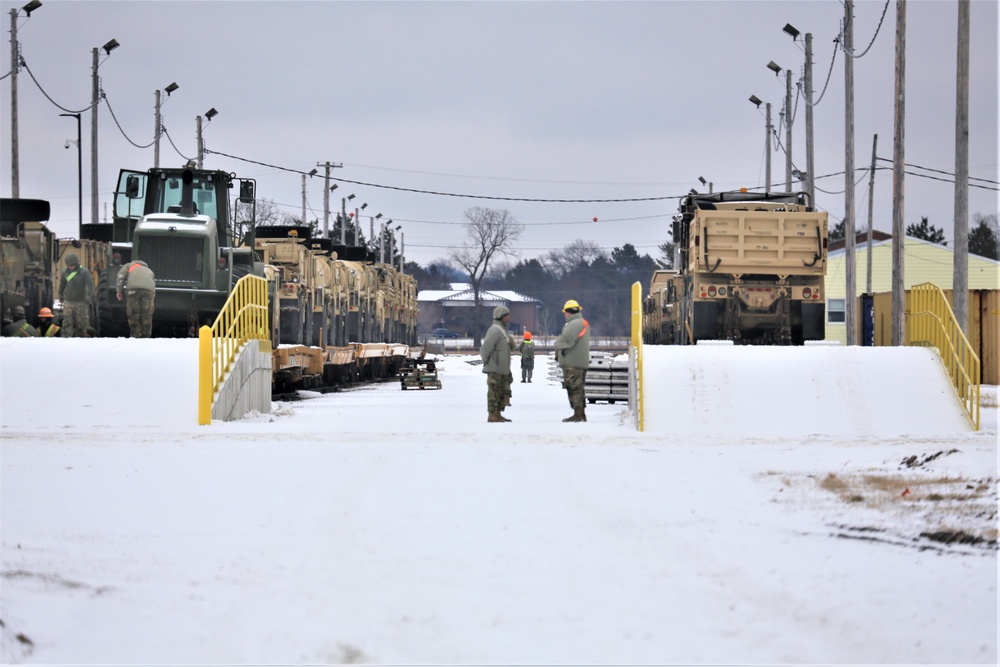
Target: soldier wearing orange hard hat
47 327
527 350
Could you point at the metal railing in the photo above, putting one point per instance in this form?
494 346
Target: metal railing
932 323
242 318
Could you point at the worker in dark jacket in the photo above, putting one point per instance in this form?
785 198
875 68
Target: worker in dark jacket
527 350
47 327
76 291
573 355
19 328
495 353
137 283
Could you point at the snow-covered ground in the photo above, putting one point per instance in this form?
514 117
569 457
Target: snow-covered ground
803 518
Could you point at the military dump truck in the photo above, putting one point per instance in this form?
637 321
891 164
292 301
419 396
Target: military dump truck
180 222
658 323
28 254
751 269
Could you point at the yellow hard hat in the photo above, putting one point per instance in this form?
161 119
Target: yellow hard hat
571 305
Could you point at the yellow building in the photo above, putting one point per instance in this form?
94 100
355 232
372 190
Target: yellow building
923 262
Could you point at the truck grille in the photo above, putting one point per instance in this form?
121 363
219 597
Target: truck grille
174 259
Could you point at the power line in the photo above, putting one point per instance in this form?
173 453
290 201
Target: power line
452 194
108 103
48 97
937 171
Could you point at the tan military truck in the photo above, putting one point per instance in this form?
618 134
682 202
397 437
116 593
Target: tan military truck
752 268
659 321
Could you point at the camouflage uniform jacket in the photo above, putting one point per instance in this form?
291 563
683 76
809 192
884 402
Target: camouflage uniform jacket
496 349
136 275
573 345
76 286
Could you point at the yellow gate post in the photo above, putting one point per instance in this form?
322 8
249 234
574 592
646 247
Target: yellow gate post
637 346
205 375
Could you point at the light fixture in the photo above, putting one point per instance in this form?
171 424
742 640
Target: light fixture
364 206
171 88
398 227
111 46
790 29
774 67
333 187
702 180
350 197
756 100
31 6
378 215
313 173
211 113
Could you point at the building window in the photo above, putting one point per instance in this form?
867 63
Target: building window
835 310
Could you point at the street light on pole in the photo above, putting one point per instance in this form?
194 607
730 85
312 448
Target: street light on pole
304 176
382 239
79 171
371 230
398 227
95 98
343 218
357 222
209 115
756 101
787 114
15 65
807 85
158 127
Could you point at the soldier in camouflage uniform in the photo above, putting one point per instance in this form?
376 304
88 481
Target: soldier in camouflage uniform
527 349
495 353
138 283
76 291
19 328
573 355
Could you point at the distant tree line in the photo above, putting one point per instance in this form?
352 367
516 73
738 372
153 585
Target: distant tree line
984 237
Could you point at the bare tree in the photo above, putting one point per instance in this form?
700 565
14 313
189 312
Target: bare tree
492 233
266 213
576 254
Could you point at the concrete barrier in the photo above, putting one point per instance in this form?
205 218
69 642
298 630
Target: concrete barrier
247 386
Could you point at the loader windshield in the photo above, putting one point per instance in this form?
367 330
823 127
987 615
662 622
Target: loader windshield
203 193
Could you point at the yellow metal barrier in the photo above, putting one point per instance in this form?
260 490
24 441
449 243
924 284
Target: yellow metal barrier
637 346
931 322
243 318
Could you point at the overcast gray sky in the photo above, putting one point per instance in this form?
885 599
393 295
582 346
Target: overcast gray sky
522 100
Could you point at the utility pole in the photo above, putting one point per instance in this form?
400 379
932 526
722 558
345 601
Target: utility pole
788 130
810 162
898 159
156 131
94 97
327 166
871 210
960 281
850 231
201 141
15 64
303 199
767 150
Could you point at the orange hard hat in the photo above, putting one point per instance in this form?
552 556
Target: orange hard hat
45 312
527 335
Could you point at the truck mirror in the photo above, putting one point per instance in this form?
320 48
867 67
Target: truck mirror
246 192
132 187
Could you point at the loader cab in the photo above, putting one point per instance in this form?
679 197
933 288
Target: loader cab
185 192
